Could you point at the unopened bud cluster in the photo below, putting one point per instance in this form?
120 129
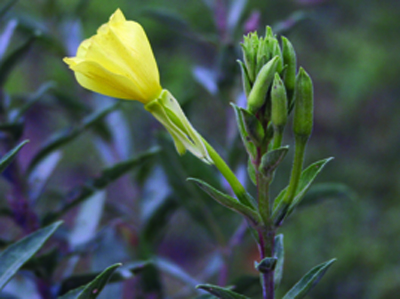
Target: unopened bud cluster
273 87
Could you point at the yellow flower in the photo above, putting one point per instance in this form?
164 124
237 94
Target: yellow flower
118 62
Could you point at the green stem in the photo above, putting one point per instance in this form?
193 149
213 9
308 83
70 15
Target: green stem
228 174
296 170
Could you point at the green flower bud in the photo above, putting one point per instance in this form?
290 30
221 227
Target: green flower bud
303 106
278 102
263 81
289 60
250 50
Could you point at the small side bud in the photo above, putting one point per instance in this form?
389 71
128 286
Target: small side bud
289 60
279 110
263 81
303 106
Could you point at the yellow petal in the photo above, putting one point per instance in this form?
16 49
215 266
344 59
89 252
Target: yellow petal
94 77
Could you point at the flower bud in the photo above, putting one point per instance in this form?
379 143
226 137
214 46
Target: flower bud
278 102
250 49
289 61
303 105
263 81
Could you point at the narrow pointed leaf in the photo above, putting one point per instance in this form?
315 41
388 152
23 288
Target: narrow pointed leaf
93 185
280 255
16 255
61 138
301 289
307 177
227 201
220 292
271 160
94 288
250 147
8 63
253 126
9 157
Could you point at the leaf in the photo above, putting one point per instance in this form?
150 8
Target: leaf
271 160
94 288
8 63
123 273
228 201
324 191
5 37
93 185
251 172
220 292
266 265
250 147
252 126
308 281
307 177
61 138
279 253
32 99
16 255
6 7
176 271
9 157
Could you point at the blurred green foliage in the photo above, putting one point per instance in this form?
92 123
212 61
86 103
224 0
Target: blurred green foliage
350 48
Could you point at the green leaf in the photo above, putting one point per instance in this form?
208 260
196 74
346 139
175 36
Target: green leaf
16 255
252 126
93 289
9 157
324 191
279 253
271 160
8 63
107 176
228 201
301 289
250 147
31 100
220 292
251 172
307 177
61 138
265 265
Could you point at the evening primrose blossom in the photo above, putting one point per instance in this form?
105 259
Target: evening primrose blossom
118 62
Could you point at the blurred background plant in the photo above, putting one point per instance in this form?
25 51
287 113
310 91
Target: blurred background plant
115 179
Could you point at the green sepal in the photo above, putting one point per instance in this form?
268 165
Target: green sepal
289 60
245 78
271 160
94 288
17 254
301 289
228 201
258 94
253 127
223 293
279 253
9 157
281 210
250 147
168 112
266 265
